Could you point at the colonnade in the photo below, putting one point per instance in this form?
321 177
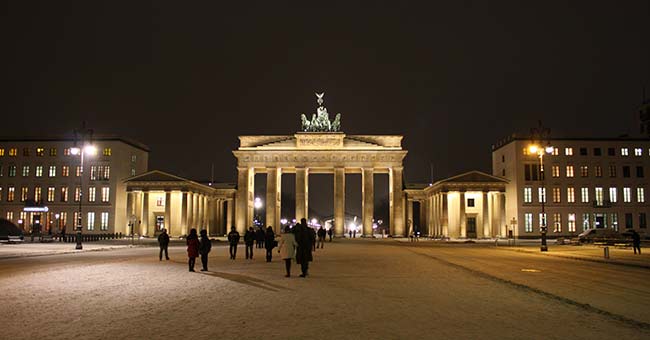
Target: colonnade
246 184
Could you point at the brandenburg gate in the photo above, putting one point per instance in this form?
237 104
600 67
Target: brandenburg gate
320 148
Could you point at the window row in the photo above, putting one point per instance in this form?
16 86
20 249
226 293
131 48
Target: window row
596 220
534 172
62 221
598 195
40 151
583 151
48 194
97 172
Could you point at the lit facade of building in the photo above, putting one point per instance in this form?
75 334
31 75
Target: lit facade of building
44 172
585 183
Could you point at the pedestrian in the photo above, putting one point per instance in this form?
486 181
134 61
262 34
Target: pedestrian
350 232
192 248
163 243
249 240
329 233
62 235
321 237
259 237
636 241
312 233
354 233
269 243
233 240
305 245
204 249
287 249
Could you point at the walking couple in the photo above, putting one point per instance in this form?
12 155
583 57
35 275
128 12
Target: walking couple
297 243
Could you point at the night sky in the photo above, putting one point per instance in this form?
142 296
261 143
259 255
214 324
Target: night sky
188 77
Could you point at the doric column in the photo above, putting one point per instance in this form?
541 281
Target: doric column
409 216
217 213
130 203
368 202
444 207
273 202
184 230
168 212
430 228
145 213
485 218
244 209
206 208
302 193
199 212
137 211
396 201
191 216
339 201
461 215
423 218
229 215
502 212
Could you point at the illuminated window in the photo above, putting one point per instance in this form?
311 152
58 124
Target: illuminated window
63 219
91 194
555 171
64 194
11 192
132 171
106 175
10 215
13 152
40 152
65 171
557 223
25 170
93 173
12 171
598 171
541 194
52 152
640 195
624 152
39 171
569 171
52 171
612 195
50 194
37 193
107 152
599 195
66 152
614 220
584 193
77 194
571 222
133 158
556 195
104 222
555 152
77 218
2 152
570 195
160 202
77 171
26 152
542 220
584 171
585 221
528 195
528 222
91 221
627 195
638 152
105 194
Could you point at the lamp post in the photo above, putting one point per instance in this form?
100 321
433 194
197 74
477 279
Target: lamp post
85 148
541 134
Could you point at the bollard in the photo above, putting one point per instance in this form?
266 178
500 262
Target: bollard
606 252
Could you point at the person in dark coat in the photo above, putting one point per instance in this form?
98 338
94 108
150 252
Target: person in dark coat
204 249
636 241
329 233
305 245
163 243
233 239
62 238
321 237
259 237
313 238
192 248
249 240
269 243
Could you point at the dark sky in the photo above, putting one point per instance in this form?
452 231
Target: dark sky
188 77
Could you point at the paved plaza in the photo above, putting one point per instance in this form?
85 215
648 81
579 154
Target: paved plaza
376 289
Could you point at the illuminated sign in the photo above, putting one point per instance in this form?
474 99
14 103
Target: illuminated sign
36 209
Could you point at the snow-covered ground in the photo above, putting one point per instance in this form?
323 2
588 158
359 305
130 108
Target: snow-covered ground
357 289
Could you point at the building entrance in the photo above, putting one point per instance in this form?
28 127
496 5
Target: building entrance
471 227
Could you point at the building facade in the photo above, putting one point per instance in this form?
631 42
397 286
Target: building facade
41 178
581 184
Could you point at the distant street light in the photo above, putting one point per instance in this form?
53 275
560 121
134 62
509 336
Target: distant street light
83 137
541 134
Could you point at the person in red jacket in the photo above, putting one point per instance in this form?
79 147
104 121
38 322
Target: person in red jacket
192 248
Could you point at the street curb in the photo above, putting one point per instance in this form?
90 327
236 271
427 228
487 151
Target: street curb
67 252
579 258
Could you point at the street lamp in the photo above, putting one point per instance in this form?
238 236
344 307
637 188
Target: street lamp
90 150
540 133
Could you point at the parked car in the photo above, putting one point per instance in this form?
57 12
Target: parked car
10 232
606 235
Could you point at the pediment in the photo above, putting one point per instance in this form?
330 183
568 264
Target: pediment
474 177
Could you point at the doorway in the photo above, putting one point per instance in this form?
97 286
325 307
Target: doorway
471 227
